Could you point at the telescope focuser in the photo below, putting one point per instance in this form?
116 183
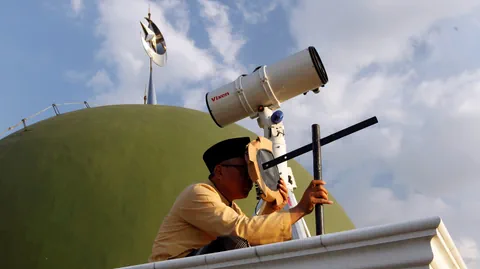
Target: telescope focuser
258 191
315 91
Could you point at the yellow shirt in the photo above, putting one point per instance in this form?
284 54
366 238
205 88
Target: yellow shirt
200 214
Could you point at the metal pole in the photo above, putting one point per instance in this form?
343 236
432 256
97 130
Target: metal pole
317 174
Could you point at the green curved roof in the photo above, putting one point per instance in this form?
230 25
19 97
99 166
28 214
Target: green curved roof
89 188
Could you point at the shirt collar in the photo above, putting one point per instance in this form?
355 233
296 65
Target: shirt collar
224 199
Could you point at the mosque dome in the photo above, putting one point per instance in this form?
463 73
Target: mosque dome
89 188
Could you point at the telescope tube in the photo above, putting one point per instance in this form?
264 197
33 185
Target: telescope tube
266 87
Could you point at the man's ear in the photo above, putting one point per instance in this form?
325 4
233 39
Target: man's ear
217 170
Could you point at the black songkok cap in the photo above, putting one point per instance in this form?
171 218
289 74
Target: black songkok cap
224 150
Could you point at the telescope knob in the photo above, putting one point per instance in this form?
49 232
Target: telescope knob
277 117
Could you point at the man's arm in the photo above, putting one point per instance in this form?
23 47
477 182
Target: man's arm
205 210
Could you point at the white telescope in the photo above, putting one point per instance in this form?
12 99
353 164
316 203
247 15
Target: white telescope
267 87
257 95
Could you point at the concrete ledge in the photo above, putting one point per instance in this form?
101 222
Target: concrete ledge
423 243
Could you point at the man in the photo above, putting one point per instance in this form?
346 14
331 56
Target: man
205 219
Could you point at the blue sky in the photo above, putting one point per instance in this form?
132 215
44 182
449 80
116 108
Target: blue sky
33 69
415 65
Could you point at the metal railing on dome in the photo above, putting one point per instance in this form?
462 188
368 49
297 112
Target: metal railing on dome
53 106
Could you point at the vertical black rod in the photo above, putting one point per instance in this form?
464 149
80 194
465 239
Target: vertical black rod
24 124
317 174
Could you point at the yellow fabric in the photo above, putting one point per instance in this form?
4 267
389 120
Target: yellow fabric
201 213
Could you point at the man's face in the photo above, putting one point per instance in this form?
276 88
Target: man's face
235 171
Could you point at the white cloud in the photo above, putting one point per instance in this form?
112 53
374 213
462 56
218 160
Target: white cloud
195 99
121 50
188 66
407 64
219 30
100 81
351 35
77 6
469 249
256 11
179 12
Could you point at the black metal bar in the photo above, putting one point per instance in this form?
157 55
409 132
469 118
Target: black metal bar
55 108
323 141
317 174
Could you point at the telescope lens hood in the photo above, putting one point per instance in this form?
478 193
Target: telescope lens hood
317 62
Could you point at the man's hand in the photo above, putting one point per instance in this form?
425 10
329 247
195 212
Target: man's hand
271 207
282 188
315 193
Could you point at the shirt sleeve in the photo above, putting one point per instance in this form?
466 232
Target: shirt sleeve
205 210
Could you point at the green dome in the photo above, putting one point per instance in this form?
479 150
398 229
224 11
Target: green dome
89 188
